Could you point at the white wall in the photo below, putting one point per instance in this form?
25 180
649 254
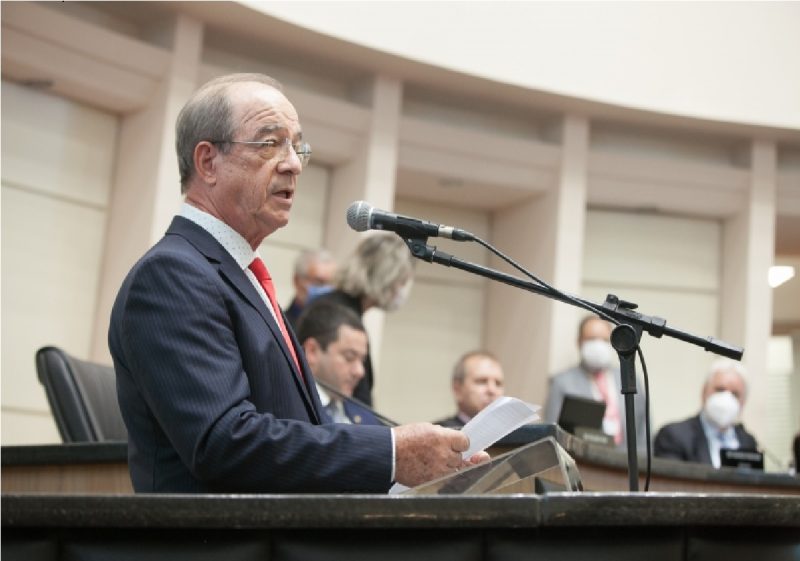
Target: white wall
727 61
57 160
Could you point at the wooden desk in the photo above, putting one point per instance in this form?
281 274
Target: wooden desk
604 468
102 468
86 468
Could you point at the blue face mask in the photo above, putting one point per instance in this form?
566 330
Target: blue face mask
317 290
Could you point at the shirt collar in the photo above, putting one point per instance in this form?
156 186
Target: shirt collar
230 239
712 432
324 397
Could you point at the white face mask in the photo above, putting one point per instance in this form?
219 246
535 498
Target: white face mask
722 409
400 296
597 354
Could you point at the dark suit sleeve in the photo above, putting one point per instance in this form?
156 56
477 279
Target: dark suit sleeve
179 348
668 444
746 440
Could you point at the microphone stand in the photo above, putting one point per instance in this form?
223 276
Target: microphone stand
624 338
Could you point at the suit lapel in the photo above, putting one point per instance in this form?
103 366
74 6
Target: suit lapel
700 442
234 275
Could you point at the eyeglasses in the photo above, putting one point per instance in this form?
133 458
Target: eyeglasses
271 148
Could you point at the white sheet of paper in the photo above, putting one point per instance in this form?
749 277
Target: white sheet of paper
501 417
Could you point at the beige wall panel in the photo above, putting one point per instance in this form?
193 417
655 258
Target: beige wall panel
51 258
29 428
422 341
56 146
57 164
648 250
473 221
781 419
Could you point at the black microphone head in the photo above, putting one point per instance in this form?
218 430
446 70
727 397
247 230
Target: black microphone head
358 215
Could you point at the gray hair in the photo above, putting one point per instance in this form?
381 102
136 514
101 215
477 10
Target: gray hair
460 369
208 115
727 365
378 263
309 256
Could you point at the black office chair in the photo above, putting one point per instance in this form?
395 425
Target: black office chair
82 396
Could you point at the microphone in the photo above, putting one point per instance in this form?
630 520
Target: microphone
362 216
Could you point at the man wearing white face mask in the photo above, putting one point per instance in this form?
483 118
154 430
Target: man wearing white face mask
700 438
596 377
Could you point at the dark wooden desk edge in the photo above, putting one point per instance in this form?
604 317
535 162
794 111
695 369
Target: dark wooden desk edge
612 458
381 511
67 453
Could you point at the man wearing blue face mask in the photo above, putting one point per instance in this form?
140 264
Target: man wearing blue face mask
700 438
313 276
596 377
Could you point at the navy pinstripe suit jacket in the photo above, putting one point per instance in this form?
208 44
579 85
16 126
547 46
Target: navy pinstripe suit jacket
209 392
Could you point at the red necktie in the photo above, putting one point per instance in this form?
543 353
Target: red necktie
612 410
262 275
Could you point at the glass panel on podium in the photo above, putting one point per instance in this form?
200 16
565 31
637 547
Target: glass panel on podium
535 468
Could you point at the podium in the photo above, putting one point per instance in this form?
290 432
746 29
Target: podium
483 513
538 467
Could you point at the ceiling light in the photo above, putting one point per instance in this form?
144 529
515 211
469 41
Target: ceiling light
779 274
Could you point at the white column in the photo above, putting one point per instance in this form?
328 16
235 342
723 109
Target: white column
369 176
146 190
748 252
570 226
533 334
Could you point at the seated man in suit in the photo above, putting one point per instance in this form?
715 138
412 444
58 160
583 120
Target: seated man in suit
477 381
214 388
597 377
335 343
699 438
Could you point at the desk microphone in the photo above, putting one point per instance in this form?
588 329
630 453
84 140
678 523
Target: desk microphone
362 216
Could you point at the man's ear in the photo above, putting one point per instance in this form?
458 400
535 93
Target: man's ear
312 350
205 162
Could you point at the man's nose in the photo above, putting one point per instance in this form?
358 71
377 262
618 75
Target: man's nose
290 163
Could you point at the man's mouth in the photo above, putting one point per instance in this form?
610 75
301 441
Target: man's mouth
284 193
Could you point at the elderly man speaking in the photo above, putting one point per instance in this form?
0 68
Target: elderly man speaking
213 385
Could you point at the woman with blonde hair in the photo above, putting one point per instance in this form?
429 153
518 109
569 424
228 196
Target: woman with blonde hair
379 273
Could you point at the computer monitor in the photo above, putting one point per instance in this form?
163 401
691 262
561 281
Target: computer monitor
581 412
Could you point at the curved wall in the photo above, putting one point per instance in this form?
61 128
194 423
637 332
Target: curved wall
731 62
